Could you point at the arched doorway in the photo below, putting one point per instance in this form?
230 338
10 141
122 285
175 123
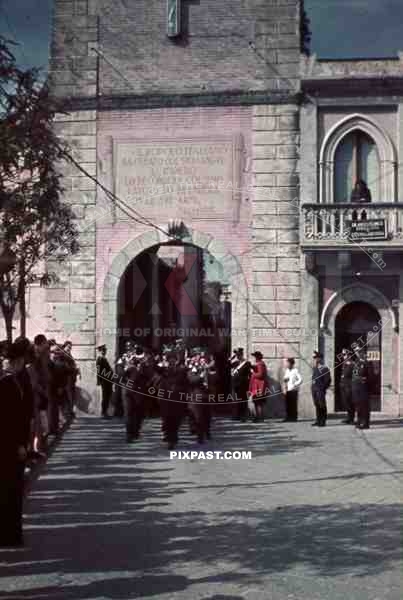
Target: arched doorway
227 268
174 290
359 322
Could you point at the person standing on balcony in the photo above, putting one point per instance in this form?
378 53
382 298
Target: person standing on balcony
361 193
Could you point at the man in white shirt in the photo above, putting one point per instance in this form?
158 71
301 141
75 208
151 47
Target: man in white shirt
292 381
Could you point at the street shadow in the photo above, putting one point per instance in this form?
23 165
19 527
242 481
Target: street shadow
109 520
138 557
83 400
222 597
275 406
387 423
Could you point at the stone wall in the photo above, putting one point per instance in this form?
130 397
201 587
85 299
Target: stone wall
225 45
220 219
103 48
73 63
71 307
276 254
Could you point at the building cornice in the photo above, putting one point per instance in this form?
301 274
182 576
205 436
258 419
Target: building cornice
137 102
354 86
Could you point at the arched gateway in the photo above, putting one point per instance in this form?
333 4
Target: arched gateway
139 301
361 313
360 323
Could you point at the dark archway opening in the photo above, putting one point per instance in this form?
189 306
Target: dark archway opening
359 322
175 290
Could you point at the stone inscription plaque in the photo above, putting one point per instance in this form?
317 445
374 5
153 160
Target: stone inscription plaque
195 179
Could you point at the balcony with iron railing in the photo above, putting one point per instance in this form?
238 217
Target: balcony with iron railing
346 224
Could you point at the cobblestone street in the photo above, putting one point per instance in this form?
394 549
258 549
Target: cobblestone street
316 515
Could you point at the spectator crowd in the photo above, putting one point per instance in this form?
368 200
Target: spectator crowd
37 390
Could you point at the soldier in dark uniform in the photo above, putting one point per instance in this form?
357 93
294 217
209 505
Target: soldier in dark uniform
321 381
173 386
120 369
198 406
104 379
134 394
360 389
240 374
346 386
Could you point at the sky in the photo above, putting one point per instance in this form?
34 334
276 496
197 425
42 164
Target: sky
356 28
28 22
340 28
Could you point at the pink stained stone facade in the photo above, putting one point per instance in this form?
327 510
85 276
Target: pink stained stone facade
227 213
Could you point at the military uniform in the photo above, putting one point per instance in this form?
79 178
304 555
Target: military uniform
321 381
104 380
360 396
346 389
134 397
240 374
121 367
173 385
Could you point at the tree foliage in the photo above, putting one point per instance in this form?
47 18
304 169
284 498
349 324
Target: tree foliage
35 224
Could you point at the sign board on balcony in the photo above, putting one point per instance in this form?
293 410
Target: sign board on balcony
371 229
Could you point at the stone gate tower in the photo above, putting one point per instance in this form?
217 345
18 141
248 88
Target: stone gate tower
183 109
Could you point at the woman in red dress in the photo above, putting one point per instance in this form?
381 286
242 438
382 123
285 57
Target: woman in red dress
258 385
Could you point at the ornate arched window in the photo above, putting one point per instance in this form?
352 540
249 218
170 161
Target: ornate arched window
357 149
356 159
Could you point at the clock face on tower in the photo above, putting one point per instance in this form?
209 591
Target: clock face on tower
173 17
